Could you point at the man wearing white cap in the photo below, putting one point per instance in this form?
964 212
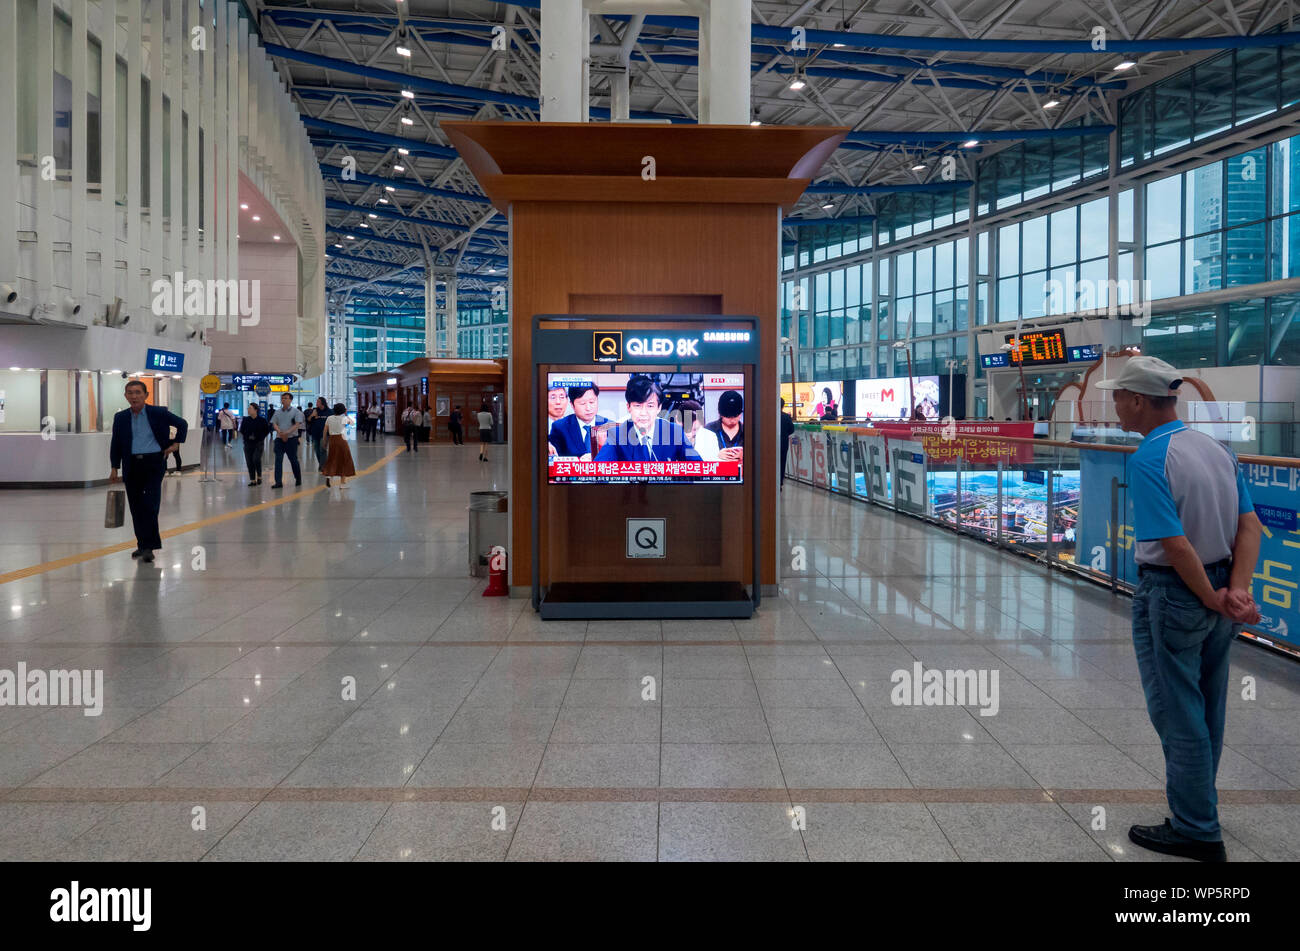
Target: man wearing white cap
1197 543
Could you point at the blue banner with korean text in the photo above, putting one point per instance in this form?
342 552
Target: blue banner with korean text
1274 490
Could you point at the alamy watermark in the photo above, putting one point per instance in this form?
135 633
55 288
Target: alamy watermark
919 687
53 688
223 305
1129 298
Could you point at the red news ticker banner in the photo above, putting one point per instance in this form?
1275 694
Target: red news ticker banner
692 469
970 441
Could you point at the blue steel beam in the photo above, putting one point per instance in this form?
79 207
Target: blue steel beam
329 171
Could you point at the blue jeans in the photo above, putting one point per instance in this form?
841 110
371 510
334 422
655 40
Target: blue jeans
1182 653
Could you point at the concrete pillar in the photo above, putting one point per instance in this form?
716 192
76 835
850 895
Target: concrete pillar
620 85
724 62
564 61
452 344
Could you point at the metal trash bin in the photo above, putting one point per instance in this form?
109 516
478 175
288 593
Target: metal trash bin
489 526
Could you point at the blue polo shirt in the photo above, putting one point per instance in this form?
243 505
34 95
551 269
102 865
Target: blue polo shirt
142 437
1184 482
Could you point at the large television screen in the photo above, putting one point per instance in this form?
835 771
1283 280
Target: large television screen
644 427
886 399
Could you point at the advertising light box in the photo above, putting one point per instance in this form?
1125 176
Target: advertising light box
886 399
644 427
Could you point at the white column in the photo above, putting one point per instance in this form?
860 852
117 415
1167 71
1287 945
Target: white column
452 343
44 147
8 143
621 94
77 239
193 109
207 157
430 312
725 48
108 154
564 46
175 74
219 141
134 226
237 36
157 49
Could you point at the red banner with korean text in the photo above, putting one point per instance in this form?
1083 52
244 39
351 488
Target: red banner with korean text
571 470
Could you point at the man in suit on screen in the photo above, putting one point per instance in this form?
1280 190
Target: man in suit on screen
645 436
576 434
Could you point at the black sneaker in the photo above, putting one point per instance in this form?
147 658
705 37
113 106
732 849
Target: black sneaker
277 485
297 481
147 557
137 553
1169 841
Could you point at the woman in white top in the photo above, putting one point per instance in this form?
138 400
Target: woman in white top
339 461
485 423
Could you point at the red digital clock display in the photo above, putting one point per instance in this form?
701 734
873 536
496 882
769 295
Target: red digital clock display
1037 347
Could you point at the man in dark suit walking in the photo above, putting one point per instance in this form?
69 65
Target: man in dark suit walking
574 435
140 445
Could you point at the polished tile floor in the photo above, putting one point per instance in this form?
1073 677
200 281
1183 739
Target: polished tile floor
230 729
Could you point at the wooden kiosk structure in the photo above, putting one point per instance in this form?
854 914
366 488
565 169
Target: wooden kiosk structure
642 219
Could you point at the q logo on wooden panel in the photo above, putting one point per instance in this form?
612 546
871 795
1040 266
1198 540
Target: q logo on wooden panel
607 346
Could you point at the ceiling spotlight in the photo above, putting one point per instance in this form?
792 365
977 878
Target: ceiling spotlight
371 214
275 237
403 151
338 245
349 237
970 143
1051 104
389 188
828 206
1126 64
383 201
407 120
399 168
919 167
798 82
755 123
257 217
408 94
243 206
403 51
363 225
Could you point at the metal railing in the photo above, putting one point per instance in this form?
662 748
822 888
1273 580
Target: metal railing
1063 504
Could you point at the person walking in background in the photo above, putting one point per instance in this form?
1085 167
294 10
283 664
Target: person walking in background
485 422
226 420
176 453
456 427
338 462
139 447
320 413
787 431
373 414
411 428
254 429
1197 538
426 424
287 423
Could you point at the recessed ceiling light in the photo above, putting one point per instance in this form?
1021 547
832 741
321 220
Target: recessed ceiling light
1051 104
363 225
371 214
1126 64
389 188
408 94
383 201
970 143
403 151
407 121
838 46
754 122
797 83
349 237
403 51
275 237
829 206
399 168
243 205
338 245
918 167
257 217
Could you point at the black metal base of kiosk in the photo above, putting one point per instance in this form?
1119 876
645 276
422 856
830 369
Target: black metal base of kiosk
591 601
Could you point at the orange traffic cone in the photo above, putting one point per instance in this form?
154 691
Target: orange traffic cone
496 586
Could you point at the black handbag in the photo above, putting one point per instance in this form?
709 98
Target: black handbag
115 508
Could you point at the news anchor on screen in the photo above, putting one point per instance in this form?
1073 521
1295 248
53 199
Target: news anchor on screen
645 437
575 435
